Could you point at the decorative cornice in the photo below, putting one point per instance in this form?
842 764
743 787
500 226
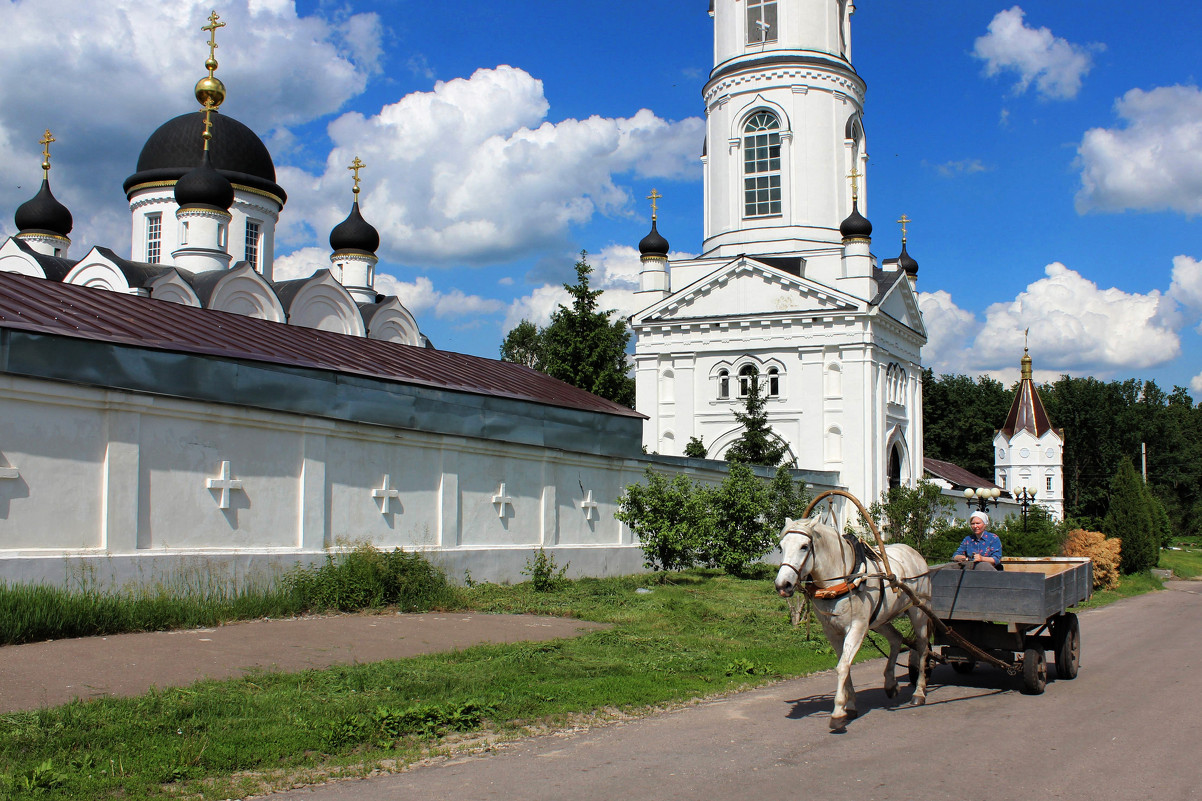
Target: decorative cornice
237 188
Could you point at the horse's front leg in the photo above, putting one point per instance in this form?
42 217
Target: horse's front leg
845 694
895 644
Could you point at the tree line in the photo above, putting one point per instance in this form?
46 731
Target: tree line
1103 423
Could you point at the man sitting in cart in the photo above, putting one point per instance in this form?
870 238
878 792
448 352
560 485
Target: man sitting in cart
980 550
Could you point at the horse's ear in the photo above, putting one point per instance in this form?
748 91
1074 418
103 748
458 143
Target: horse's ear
789 522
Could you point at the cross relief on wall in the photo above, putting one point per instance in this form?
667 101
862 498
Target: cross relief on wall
387 494
500 500
226 484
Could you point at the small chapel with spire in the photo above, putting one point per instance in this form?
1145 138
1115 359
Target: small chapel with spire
787 297
1029 451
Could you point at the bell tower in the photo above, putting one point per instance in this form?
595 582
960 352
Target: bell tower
784 129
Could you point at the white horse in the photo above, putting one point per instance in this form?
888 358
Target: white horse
844 580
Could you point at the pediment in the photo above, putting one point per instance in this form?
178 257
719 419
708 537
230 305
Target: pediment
745 287
900 301
98 271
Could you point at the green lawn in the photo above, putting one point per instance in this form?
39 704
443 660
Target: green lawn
1185 559
696 635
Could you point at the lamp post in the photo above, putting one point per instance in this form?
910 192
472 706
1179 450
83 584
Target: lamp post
1026 499
983 496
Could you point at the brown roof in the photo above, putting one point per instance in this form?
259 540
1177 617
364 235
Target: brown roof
50 307
1027 412
954 474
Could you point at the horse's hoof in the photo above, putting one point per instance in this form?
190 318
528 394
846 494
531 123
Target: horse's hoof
890 692
918 700
838 723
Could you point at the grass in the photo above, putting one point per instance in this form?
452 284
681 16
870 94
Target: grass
1186 561
695 635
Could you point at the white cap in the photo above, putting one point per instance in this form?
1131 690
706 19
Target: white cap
984 517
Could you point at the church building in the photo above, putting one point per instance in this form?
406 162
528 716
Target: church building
787 297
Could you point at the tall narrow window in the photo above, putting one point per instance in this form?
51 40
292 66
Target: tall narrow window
748 380
723 384
252 243
761 166
761 21
154 238
1048 485
773 382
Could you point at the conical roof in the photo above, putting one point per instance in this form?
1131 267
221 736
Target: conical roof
1027 412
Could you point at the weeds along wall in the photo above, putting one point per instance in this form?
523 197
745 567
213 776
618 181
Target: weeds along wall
109 487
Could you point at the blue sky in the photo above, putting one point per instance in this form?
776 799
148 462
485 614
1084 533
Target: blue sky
1048 153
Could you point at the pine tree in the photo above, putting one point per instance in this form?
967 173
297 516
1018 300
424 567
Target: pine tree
581 345
1130 519
758 443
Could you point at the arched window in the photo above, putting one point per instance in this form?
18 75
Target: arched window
895 467
723 384
761 21
761 166
748 380
834 380
773 382
667 387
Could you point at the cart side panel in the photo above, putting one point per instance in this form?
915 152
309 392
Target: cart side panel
989 595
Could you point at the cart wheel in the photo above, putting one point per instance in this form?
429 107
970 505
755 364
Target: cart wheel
1066 639
964 668
912 669
1035 671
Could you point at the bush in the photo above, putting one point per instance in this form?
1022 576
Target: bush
545 575
913 515
368 578
1104 553
670 518
1037 536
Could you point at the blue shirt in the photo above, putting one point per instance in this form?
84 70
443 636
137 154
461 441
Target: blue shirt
989 546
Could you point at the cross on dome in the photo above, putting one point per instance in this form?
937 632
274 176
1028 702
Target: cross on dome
904 221
854 175
653 197
356 165
45 143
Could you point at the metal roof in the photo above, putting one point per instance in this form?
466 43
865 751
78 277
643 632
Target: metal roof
50 307
955 475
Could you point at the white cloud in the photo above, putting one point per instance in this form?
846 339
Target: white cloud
1183 302
949 169
420 297
949 331
1076 327
1195 383
1054 65
279 69
471 171
1153 161
300 264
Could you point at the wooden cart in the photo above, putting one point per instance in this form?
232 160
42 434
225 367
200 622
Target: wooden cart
1011 617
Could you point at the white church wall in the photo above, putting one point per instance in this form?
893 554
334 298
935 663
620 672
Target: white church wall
127 486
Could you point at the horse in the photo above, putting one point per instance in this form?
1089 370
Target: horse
846 583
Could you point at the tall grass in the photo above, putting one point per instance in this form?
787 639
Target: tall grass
362 578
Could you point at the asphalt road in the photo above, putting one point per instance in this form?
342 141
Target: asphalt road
1128 727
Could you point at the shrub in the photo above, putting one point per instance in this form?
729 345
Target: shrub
670 518
1104 553
913 515
1129 517
368 578
1036 536
545 575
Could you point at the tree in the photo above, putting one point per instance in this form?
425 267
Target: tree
583 347
758 444
670 518
524 345
1129 518
960 415
917 516
695 448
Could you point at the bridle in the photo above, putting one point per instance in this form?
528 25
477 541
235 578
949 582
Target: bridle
860 555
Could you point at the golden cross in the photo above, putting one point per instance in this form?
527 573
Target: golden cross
45 143
904 220
654 196
208 134
356 165
855 174
212 29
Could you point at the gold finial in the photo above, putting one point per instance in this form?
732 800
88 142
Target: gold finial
854 176
356 165
653 197
904 220
208 134
1026 360
210 90
45 143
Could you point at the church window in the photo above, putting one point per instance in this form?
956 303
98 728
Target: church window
761 21
1048 486
723 384
1001 480
761 166
895 465
748 381
154 238
252 243
773 382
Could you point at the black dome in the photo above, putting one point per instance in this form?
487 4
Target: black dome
856 226
204 187
43 213
653 244
174 150
355 233
906 261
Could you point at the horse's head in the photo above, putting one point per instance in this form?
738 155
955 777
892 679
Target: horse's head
796 547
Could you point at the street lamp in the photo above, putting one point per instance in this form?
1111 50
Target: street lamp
983 496
1025 498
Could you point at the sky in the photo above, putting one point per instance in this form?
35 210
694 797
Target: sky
1049 154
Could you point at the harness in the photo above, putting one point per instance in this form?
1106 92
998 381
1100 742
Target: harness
861 555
